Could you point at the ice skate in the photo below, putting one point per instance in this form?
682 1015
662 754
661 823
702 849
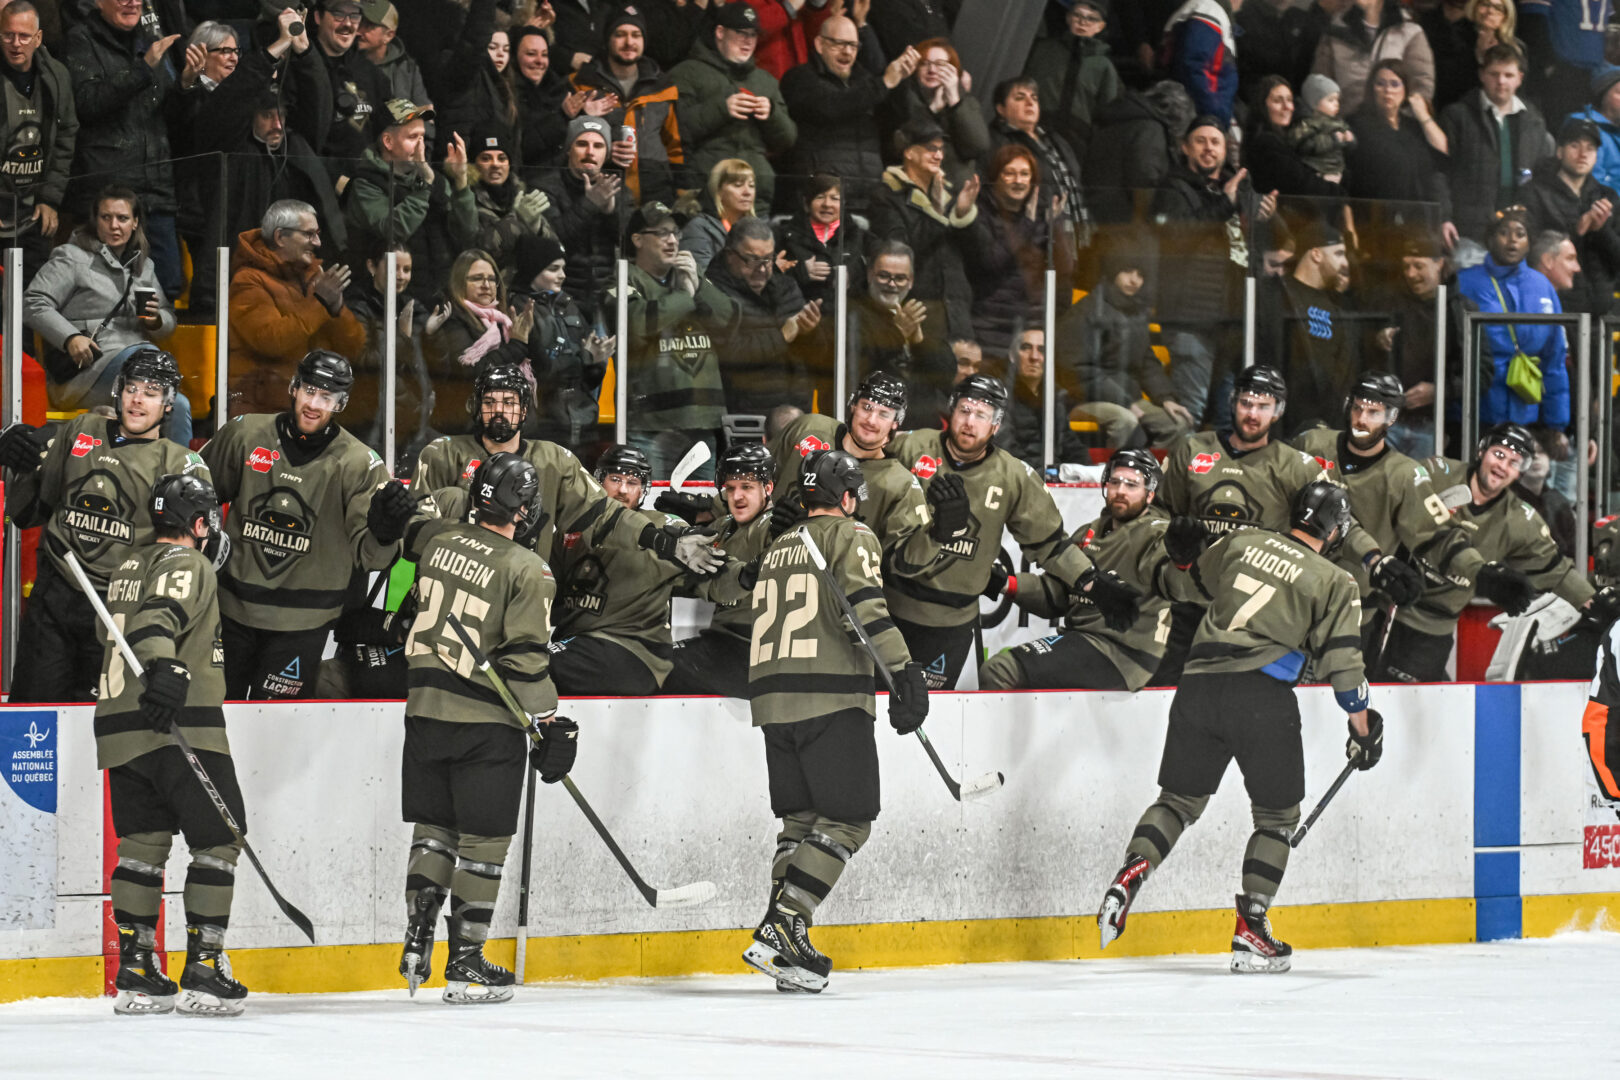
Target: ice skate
207 988
143 988
1254 950
781 949
1116 902
469 979
416 960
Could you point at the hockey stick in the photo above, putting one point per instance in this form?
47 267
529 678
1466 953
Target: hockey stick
699 892
1371 667
976 788
523 881
298 918
690 462
1344 774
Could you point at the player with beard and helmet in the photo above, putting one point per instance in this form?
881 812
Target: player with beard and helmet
1521 558
307 506
1243 477
88 482
975 490
1127 540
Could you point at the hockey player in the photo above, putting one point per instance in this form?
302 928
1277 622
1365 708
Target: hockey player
811 685
1602 752
1505 531
165 597
303 515
975 490
1275 600
463 766
1127 540
89 484
716 660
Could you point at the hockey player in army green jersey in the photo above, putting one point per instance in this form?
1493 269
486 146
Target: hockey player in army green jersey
1522 558
89 485
975 490
1275 600
463 767
164 597
812 696
1127 541
302 517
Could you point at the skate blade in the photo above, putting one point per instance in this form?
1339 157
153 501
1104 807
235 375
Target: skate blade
463 993
202 1003
785 987
1248 963
767 961
1110 922
136 1003
411 969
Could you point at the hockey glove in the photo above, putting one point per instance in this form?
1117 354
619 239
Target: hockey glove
1184 540
167 683
22 447
1396 580
1119 603
690 508
748 576
1000 582
559 745
948 504
1371 744
1505 587
684 546
908 705
784 516
1604 608
390 512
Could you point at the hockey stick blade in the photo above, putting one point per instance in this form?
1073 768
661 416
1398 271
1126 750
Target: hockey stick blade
699 892
690 462
983 786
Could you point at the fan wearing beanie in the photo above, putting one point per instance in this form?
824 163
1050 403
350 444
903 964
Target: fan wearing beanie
566 357
1321 136
507 208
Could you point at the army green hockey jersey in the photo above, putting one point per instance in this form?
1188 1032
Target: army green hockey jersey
1229 489
1505 530
297 524
894 506
1392 498
804 658
1003 494
1273 604
165 600
733 615
92 491
502 593
1134 550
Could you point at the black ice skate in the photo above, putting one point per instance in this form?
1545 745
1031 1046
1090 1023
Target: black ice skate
1253 947
416 960
207 988
1116 902
782 950
469 979
143 988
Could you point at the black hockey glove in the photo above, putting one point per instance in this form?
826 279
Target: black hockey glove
684 546
1396 580
374 626
1371 744
1119 602
1505 587
999 578
390 512
1184 540
1604 608
559 745
784 516
748 576
948 504
908 705
167 683
22 447
692 509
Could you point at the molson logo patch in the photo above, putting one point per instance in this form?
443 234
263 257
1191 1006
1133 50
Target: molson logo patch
84 444
810 444
926 466
472 467
1202 463
261 460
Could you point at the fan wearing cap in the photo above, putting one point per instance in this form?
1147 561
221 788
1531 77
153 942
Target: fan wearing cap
379 33
1302 329
568 355
359 88
395 194
584 208
728 107
643 100
1564 196
1604 113
1074 72
507 209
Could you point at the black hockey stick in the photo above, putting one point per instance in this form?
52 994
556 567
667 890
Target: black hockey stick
1344 774
699 892
1371 664
976 788
298 918
523 881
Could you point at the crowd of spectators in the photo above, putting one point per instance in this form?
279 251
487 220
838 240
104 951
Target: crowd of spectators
1347 157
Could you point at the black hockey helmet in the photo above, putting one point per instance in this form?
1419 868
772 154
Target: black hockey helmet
825 475
626 460
148 363
504 485
323 369
1383 387
1322 509
1142 461
493 378
1515 437
749 459
1261 379
179 501
993 392
882 388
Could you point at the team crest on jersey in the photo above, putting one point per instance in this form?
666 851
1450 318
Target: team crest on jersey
1227 506
1202 463
97 513
810 444
277 528
472 467
586 589
926 467
84 444
261 460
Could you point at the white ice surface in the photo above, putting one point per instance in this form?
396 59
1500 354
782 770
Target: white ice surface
1544 1008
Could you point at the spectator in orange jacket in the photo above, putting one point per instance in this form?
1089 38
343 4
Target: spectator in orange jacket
283 303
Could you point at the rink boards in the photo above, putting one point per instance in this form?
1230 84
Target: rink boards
1470 829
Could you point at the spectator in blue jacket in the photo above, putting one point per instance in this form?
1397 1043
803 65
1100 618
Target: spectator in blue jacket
1505 282
1604 111
1203 54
